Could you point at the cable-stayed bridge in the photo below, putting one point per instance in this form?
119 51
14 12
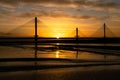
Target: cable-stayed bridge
20 35
28 30
34 29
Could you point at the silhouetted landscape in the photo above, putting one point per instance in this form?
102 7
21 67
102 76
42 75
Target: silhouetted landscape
59 40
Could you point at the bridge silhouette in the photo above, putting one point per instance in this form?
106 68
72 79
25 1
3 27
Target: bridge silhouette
28 29
36 26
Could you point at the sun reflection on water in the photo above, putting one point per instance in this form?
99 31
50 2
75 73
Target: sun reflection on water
57 43
57 54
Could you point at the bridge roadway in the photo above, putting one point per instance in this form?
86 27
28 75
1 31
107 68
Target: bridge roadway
31 40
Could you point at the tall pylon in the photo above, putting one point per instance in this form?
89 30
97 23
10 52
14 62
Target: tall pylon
36 37
104 30
77 35
104 38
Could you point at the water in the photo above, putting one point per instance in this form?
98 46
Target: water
51 51
51 68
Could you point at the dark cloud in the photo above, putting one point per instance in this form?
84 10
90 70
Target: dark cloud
92 3
84 17
45 12
101 4
111 5
17 2
55 14
6 11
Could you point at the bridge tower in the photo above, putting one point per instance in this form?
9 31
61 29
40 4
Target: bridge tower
104 37
104 30
36 37
77 35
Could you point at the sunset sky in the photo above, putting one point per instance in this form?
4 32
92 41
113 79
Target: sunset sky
60 17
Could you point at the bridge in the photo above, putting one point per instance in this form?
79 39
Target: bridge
36 27
28 30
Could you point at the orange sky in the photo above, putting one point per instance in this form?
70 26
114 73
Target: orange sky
59 17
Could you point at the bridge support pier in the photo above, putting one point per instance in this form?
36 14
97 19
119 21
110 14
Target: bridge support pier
76 35
104 31
36 38
104 40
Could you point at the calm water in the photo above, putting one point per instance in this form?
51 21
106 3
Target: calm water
101 72
49 51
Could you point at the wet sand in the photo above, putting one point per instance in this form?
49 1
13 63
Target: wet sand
111 72
87 68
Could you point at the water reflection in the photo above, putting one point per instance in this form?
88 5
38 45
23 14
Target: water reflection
57 54
105 57
36 48
78 56
35 57
52 52
77 52
57 43
35 52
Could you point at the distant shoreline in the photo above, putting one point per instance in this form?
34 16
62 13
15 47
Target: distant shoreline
31 40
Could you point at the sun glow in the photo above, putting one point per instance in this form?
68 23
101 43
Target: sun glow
58 27
57 37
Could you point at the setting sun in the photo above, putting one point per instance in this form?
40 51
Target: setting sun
60 39
58 28
57 37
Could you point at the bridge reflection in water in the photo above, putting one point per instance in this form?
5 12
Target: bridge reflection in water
63 52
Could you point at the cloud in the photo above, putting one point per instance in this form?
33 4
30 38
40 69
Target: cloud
6 10
92 3
97 4
111 5
41 11
54 14
18 2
